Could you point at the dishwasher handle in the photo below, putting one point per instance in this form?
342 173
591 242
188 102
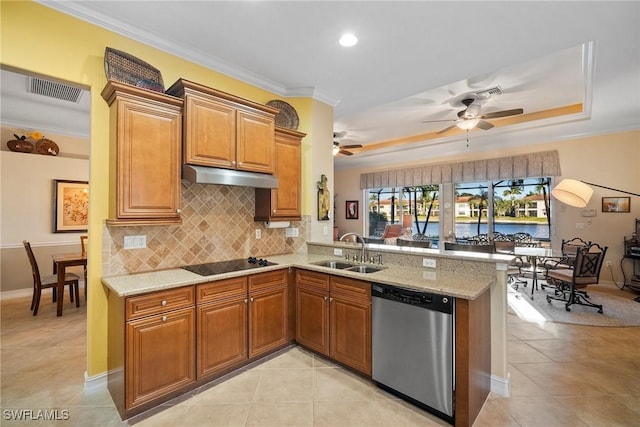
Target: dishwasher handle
430 301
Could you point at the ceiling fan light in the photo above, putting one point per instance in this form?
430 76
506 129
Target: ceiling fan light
336 148
467 124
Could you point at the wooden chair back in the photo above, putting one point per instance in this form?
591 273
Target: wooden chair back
35 271
83 243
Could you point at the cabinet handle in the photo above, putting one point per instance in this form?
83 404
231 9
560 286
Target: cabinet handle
330 299
325 298
164 302
179 211
164 318
274 211
251 299
246 300
233 162
239 163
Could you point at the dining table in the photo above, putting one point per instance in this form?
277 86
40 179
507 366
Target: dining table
535 254
60 263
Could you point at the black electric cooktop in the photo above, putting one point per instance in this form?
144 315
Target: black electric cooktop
220 267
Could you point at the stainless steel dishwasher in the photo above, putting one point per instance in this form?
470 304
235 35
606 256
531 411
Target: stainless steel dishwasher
413 347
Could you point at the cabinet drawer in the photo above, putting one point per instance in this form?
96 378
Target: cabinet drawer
267 280
222 289
159 302
312 279
350 288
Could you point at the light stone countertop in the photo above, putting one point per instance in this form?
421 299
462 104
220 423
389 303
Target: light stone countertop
466 285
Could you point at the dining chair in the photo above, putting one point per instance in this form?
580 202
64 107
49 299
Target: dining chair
50 281
570 283
83 243
84 240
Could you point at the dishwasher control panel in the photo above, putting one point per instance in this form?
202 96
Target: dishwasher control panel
436 302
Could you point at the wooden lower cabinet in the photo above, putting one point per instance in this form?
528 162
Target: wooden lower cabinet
312 319
268 319
160 355
240 319
333 317
222 335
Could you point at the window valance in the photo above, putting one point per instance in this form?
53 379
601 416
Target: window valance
532 165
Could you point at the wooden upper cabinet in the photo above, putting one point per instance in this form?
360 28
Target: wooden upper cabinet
209 132
225 131
145 138
283 203
255 142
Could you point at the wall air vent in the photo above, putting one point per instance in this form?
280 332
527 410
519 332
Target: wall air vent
488 93
55 90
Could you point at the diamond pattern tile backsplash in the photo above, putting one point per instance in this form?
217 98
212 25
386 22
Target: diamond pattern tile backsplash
217 225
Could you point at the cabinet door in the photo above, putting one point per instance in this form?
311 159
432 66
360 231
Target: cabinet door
285 200
312 319
160 355
148 160
210 133
222 335
268 314
351 333
255 143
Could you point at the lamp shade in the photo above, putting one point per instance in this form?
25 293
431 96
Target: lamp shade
573 193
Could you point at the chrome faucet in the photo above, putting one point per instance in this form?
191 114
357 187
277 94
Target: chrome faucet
362 248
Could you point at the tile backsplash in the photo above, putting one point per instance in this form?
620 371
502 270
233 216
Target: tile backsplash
217 225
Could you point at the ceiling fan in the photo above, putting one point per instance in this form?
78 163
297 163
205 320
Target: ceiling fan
343 149
470 117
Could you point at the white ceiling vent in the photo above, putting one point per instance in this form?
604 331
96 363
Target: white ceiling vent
488 93
56 90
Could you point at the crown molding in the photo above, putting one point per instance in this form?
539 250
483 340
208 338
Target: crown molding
80 11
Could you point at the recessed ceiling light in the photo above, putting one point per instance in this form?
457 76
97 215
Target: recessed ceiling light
348 40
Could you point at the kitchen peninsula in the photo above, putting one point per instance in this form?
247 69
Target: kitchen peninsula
175 296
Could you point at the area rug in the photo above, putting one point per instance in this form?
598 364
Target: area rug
619 308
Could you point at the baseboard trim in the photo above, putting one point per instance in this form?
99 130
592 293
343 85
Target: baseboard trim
501 386
17 293
95 383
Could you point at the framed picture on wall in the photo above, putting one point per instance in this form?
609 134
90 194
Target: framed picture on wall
351 209
616 204
70 206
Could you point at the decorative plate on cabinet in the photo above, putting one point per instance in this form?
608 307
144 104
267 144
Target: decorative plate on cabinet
287 117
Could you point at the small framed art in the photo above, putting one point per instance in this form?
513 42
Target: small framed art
616 204
351 209
70 206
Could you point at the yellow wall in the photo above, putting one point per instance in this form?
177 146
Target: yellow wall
40 40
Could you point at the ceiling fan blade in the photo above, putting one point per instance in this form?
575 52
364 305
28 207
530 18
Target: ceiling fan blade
484 125
438 121
453 126
350 147
346 153
504 113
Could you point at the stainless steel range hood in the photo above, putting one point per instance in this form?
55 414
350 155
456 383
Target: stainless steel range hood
207 175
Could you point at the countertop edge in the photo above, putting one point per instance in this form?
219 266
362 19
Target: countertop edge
460 285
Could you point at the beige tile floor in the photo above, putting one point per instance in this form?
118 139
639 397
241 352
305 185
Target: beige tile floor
562 375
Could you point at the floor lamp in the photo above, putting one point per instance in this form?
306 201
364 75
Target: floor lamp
578 193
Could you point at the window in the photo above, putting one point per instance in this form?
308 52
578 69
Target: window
503 206
389 205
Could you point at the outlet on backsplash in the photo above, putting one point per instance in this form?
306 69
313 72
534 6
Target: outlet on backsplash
135 242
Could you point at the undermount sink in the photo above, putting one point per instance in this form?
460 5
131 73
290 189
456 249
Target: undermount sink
365 268
334 264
